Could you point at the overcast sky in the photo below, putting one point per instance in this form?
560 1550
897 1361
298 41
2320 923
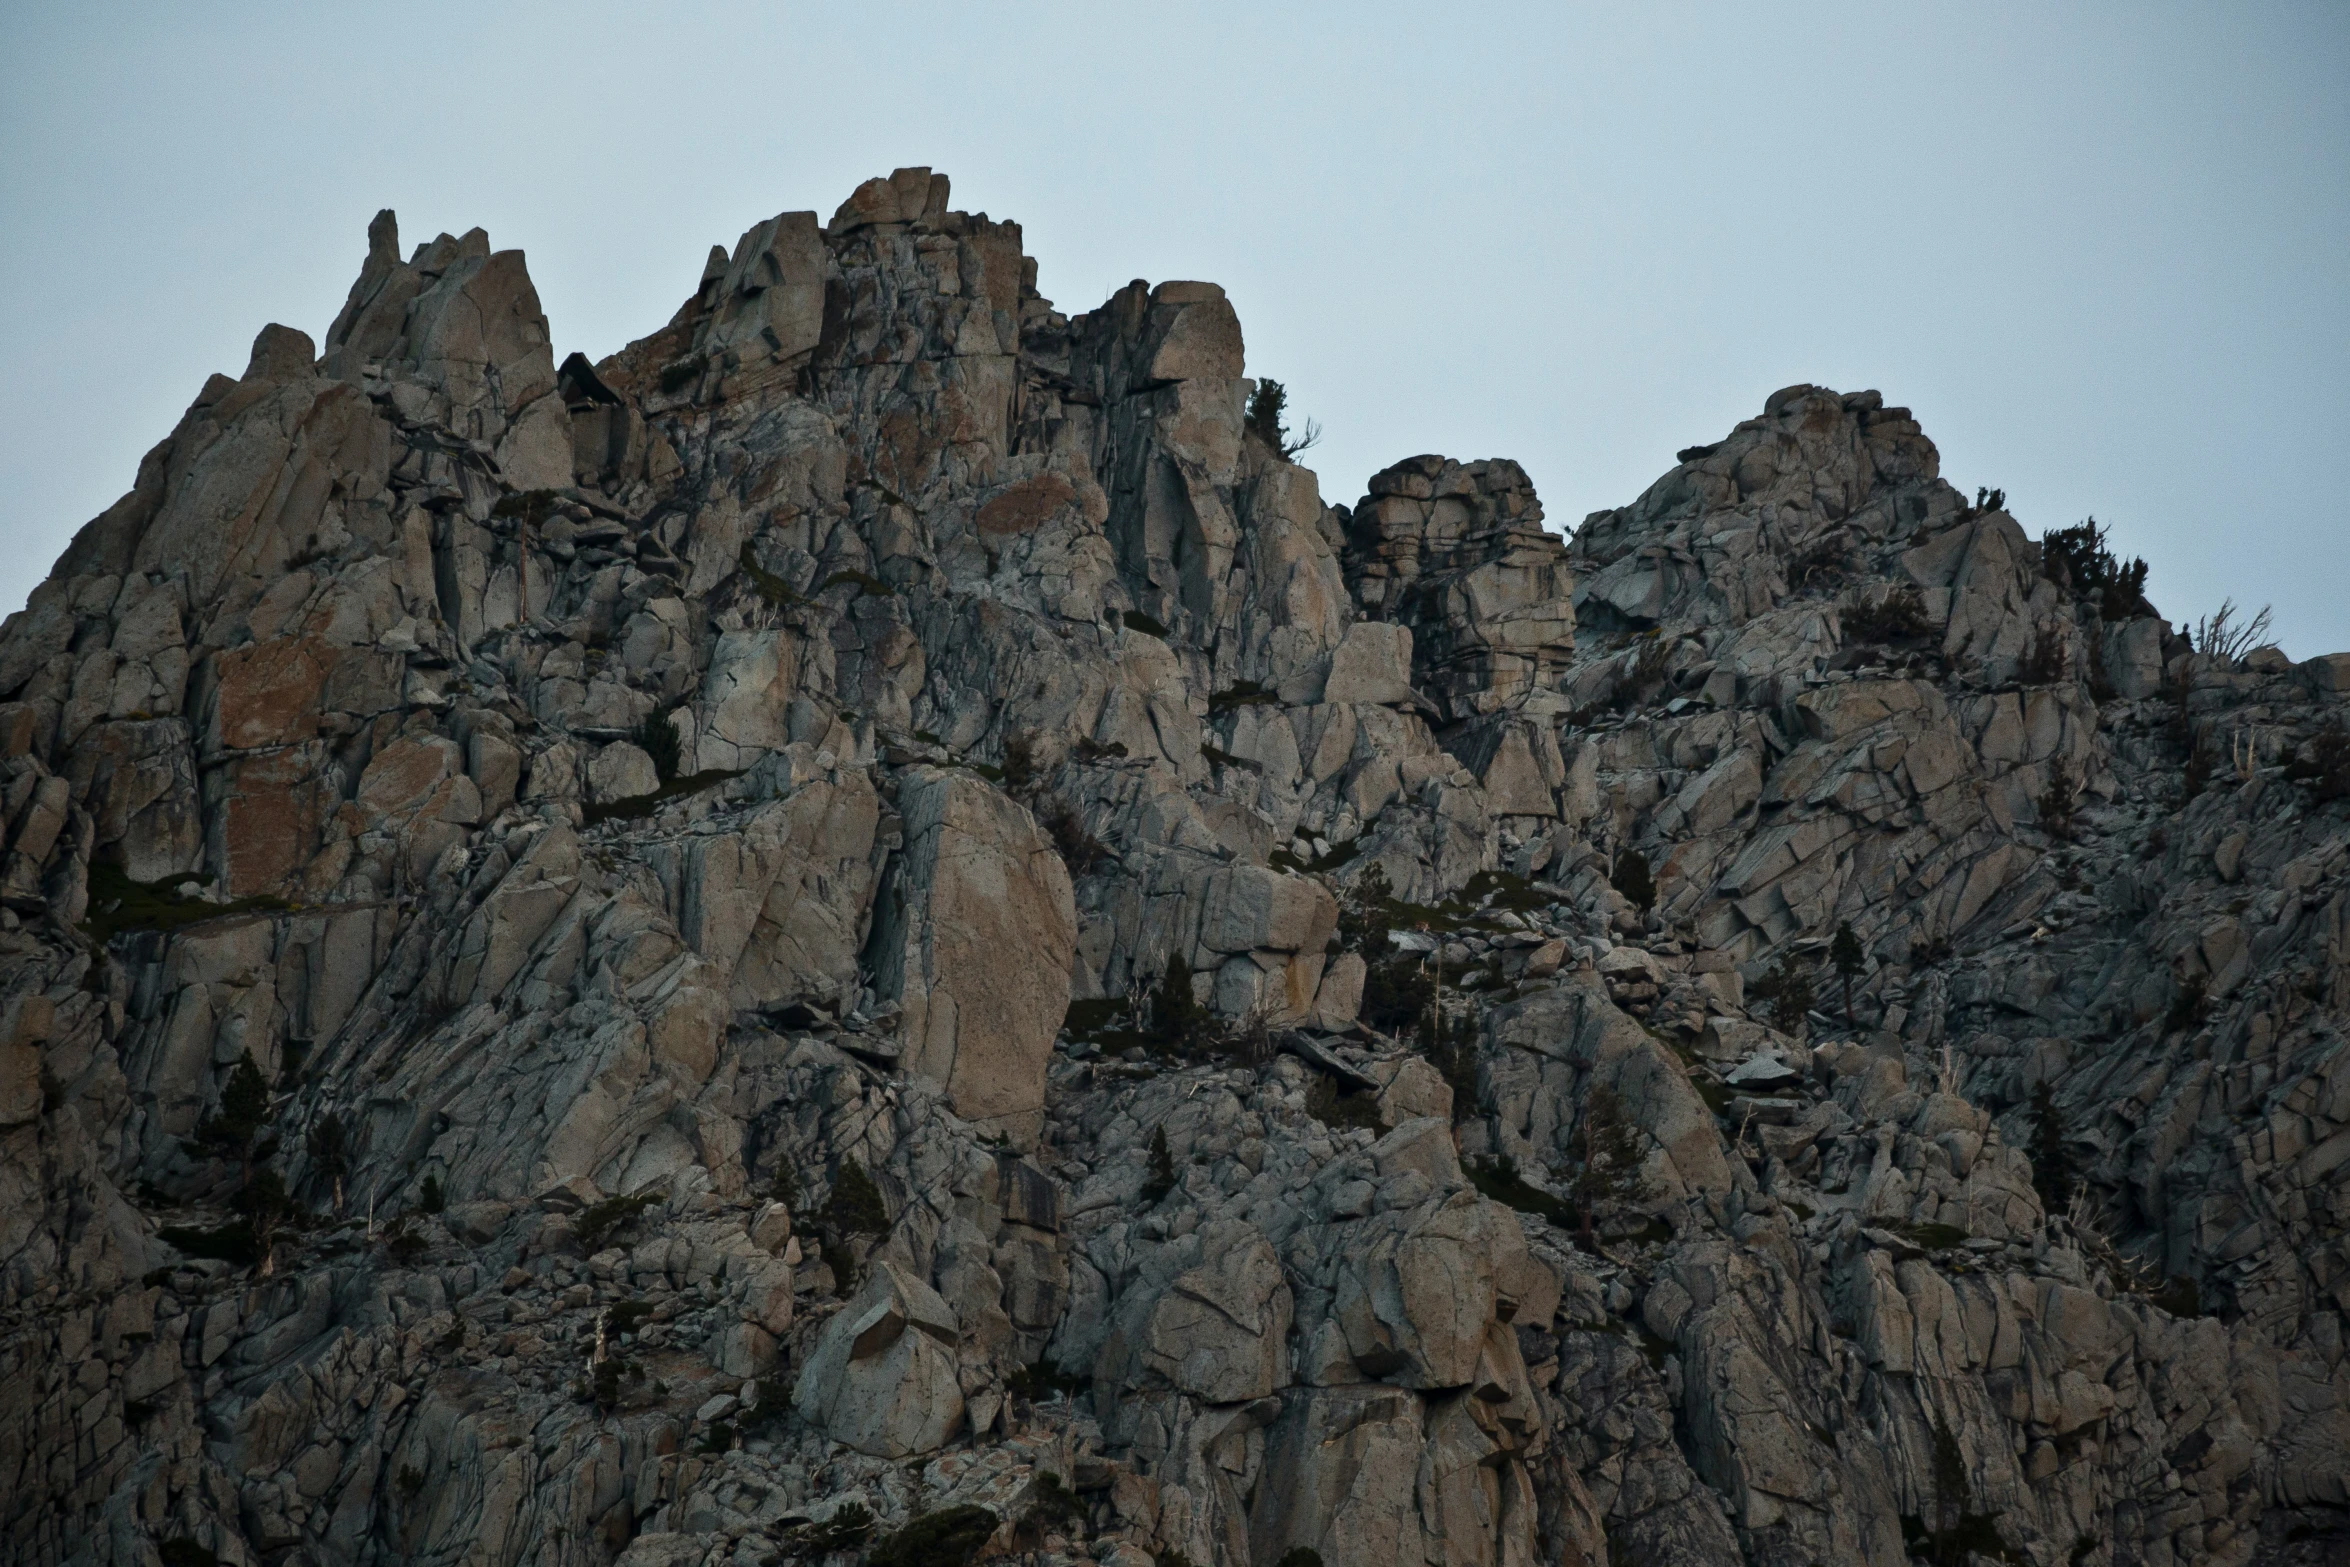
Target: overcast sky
2103 251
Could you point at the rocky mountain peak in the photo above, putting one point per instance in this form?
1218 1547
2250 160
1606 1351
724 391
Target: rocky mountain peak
869 927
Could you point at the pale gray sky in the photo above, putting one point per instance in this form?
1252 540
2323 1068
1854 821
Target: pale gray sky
2103 250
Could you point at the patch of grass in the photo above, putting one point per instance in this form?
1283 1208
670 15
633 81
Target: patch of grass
1089 749
638 806
1241 693
864 582
1933 1237
679 374
718 1439
1227 759
1136 620
119 905
767 584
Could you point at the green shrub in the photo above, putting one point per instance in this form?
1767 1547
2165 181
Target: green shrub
2078 560
625 1316
1339 1109
656 736
855 1206
1787 986
2057 802
842 1262
1897 620
766 583
1268 420
1631 878
942 1539
1044 1380
119 905
1610 1169
404 1245
1499 1179
2189 1007
600 1221
228 1243
1179 1022
1397 991
850 1526
863 581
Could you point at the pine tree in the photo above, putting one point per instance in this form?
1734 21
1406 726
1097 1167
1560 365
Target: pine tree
244 1111
1178 1019
1611 1160
2052 1163
1850 961
330 1154
1162 1176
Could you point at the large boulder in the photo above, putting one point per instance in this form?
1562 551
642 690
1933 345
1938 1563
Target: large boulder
882 1376
1211 1319
981 925
1457 553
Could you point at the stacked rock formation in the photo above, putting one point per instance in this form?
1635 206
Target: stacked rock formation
868 926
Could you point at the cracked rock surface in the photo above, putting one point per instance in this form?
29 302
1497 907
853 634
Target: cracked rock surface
870 928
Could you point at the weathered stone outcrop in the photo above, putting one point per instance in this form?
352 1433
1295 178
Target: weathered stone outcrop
1457 552
588 963
975 948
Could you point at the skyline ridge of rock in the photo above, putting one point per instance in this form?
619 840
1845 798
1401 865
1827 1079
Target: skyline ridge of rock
872 903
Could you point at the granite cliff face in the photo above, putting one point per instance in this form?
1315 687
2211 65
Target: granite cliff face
872 907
